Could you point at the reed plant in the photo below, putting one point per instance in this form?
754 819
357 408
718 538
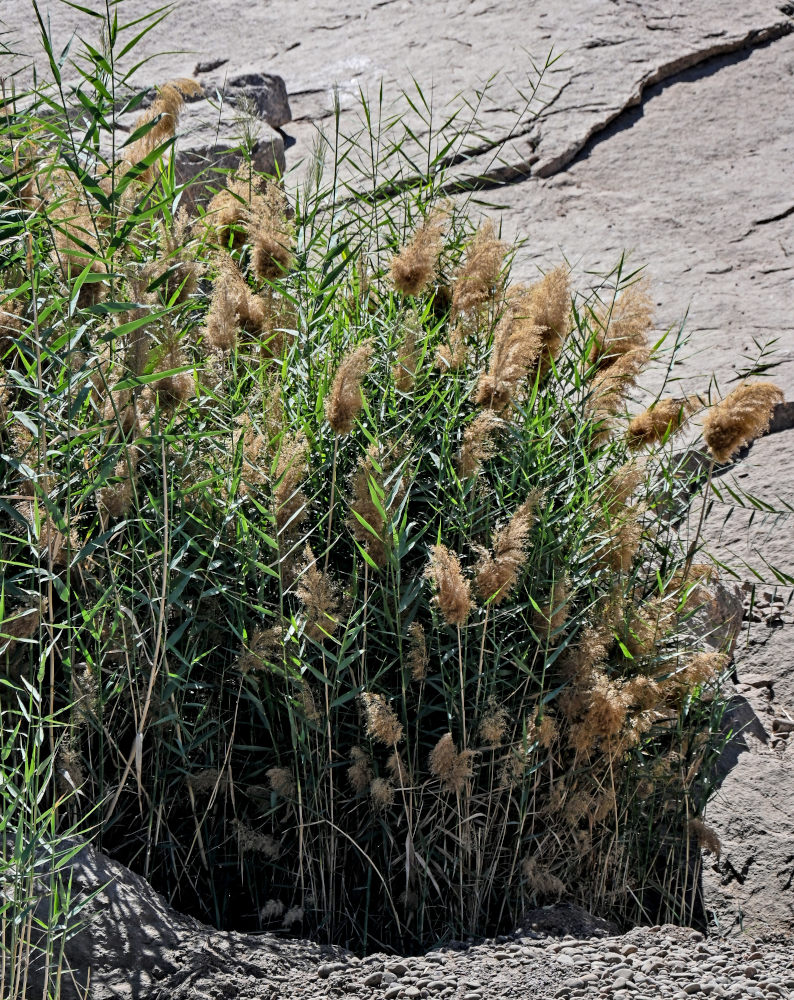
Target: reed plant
351 566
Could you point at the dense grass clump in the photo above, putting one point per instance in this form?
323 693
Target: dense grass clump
343 562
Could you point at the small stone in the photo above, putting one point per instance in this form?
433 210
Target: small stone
374 979
397 968
325 970
410 993
393 991
387 978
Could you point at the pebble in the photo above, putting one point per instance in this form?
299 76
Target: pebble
669 963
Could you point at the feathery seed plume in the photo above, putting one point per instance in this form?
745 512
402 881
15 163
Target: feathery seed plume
382 793
359 773
516 347
493 726
549 305
497 574
659 421
382 723
540 881
452 589
454 353
417 651
164 111
271 233
453 769
706 836
479 275
115 499
741 417
344 400
554 614
625 328
412 269
221 323
291 471
408 355
281 781
319 595
252 841
478 443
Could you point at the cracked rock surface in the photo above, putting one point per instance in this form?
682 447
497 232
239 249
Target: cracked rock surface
667 132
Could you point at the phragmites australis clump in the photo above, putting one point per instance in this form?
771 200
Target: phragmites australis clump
453 352
417 658
344 400
319 595
622 483
382 723
452 590
622 539
452 768
658 422
176 269
497 574
263 647
412 269
478 443
207 781
172 390
479 275
516 347
599 712
359 774
741 417
703 668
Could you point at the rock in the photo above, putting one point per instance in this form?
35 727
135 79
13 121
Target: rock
209 140
566 918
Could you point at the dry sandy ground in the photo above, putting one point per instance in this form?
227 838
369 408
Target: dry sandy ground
667 131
